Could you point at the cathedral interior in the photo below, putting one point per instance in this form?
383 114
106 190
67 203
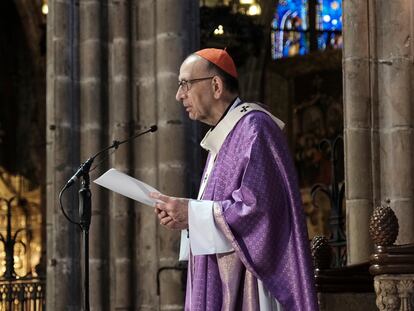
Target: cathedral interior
78 74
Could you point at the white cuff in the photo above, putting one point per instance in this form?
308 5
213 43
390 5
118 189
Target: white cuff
205 237
184 246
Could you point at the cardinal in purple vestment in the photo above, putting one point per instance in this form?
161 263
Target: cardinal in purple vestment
248 243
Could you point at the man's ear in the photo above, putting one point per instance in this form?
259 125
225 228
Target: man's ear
217 85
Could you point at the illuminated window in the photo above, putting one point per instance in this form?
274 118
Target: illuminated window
302 26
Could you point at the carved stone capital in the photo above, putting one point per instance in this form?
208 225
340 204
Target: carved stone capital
394 292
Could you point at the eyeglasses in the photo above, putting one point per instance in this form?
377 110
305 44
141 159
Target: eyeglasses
185 85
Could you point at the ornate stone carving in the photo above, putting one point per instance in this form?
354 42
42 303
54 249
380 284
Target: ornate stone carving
405 291
395 292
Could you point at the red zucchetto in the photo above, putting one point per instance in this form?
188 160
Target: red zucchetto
220 58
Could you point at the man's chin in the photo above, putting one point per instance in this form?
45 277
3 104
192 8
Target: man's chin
192 116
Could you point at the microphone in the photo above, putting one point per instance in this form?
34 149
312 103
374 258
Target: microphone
80 172
85 167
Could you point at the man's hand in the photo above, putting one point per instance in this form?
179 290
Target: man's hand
172 212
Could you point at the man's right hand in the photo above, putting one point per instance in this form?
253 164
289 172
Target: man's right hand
172 212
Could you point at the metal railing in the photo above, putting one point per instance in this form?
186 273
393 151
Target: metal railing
17 293
22 294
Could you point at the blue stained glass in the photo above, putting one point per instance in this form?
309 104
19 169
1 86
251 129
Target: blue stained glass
289 43
329 40
291 15
290 35
291 20
329 15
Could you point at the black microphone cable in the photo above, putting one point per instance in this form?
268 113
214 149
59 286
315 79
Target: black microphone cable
63 210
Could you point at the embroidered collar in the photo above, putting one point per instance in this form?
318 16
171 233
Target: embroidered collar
237 101
215 137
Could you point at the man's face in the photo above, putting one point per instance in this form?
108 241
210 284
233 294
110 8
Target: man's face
196 96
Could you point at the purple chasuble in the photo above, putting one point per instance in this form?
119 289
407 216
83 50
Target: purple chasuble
259 210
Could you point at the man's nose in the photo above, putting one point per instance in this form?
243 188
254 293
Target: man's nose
180 94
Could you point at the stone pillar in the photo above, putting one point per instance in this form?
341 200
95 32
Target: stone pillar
164 34
92 139
145 162
63 270
378 66
358 106
171 39
120 122
395 113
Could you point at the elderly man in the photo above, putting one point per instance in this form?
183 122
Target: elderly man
245 237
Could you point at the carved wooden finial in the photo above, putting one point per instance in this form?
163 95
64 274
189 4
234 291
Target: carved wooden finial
383 226
321 252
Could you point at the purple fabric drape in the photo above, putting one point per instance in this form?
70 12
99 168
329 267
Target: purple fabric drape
254 182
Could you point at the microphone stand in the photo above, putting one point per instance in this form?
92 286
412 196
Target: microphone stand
85 215
85 209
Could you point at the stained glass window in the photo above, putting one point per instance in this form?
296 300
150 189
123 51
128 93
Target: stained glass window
329 24
301 26
289 29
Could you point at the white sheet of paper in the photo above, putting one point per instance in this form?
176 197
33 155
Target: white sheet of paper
126 185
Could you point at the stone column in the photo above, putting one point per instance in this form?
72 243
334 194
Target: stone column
358 106
378 67
93 108
165 33
145 155
63 270
395 113
120 127
171 39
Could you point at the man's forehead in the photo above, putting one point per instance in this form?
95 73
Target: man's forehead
192 65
